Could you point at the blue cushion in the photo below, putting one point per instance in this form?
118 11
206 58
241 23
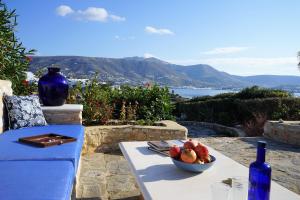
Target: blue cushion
36 180
12 150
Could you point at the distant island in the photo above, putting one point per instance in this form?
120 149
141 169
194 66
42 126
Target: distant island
139 70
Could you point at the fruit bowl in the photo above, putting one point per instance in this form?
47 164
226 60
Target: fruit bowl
194 167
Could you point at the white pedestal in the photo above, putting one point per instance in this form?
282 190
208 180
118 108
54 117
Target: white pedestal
65 114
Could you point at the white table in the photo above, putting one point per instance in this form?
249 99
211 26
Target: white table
158 178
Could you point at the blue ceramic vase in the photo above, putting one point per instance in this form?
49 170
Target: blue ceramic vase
53 88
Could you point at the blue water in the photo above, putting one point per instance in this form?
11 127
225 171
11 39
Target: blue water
297 94
195 92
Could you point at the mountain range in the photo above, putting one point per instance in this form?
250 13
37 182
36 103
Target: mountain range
138 70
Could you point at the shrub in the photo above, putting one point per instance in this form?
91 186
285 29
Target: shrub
250 107
251 113
247 93
254 126
102 102
95 99
218 96
258 92
212 111
14 58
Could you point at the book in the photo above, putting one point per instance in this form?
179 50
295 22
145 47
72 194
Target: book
163 146
165 153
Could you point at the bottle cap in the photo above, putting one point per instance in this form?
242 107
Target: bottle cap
262 144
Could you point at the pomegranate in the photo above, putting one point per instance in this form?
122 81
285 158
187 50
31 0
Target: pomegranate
201 151
207 159
174 151
190 144
188 156
199 161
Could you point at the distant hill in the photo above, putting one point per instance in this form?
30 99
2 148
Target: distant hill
137 70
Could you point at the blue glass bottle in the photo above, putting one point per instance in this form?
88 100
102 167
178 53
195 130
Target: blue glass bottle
259 175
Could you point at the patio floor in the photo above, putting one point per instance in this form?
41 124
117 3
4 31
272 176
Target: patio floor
107 176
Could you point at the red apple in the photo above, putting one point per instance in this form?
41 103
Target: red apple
188 156
174 151
190 144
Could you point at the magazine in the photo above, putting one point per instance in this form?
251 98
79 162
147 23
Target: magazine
163 146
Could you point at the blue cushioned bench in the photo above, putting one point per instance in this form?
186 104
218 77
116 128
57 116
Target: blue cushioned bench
29 172
35 180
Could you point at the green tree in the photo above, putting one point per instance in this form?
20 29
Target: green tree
14 58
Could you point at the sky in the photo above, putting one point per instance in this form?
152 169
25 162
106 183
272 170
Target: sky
241 37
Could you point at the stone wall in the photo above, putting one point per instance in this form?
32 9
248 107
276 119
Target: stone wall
286 132
216 127
106 138
5 88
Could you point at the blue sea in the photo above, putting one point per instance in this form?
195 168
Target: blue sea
297 94
194 92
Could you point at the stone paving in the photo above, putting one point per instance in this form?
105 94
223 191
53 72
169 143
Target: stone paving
107 176
283 158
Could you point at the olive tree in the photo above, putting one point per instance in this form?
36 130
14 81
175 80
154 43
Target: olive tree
14 60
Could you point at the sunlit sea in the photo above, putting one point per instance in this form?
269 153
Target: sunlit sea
194 92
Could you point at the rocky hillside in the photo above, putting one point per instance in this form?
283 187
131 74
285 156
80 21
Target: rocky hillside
137 70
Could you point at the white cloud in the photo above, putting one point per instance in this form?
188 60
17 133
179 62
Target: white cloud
89 14
159 31
123 38
64 10
225 50
92 14
117 18
148 55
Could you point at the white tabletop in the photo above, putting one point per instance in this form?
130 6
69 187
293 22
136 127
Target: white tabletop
158 178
